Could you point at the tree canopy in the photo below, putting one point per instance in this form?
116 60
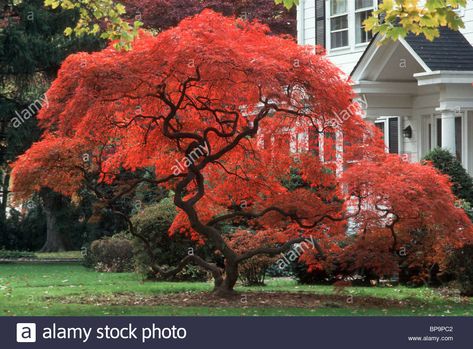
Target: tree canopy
32 49
218 111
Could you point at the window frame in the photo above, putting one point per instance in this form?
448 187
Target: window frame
386 132
338 15
359 12
351 29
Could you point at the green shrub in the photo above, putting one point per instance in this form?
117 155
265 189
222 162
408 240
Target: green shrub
5 254
153 223
447 163
111 254
275 271
461 264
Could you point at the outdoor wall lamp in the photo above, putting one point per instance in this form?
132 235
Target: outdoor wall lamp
407 132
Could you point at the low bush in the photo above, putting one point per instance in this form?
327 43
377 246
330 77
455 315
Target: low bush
153 224
111 254
5 254
461 264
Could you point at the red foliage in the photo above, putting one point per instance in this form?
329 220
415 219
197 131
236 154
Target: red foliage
194 106
408 214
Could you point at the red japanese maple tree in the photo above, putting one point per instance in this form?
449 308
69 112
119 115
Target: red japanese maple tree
200 109
408 215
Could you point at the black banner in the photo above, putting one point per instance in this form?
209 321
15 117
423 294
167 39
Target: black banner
236 332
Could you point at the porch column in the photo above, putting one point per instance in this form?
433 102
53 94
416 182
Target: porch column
448 130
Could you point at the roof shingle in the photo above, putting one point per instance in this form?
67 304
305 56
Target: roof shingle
450 51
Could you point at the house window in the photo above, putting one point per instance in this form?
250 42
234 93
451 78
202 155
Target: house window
338 23
390 129
346 22
363 10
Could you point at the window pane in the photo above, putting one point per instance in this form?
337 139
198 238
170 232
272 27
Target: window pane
439 132
363 4
393 124
458 138
338 6
361 34
380 125
430 136
340 22
339 39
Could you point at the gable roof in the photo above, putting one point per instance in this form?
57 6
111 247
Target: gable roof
450 51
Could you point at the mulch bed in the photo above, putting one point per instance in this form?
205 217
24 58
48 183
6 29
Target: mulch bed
241 300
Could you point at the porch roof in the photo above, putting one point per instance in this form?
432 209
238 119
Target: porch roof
451 51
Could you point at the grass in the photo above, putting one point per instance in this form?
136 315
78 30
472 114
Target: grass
33 290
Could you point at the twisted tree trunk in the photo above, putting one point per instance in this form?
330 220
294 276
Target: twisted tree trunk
225 288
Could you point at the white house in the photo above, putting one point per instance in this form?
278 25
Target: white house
419 93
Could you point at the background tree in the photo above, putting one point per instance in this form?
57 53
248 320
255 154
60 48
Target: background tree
102 17
164 14
32 49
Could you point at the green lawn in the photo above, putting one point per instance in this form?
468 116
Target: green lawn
33 290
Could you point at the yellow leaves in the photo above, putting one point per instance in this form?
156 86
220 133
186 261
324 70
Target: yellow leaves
52 3
287 3
387 5
120 9
396 18
93 12
68 31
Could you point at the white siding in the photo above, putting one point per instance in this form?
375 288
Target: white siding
344 58
468 20
306 22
